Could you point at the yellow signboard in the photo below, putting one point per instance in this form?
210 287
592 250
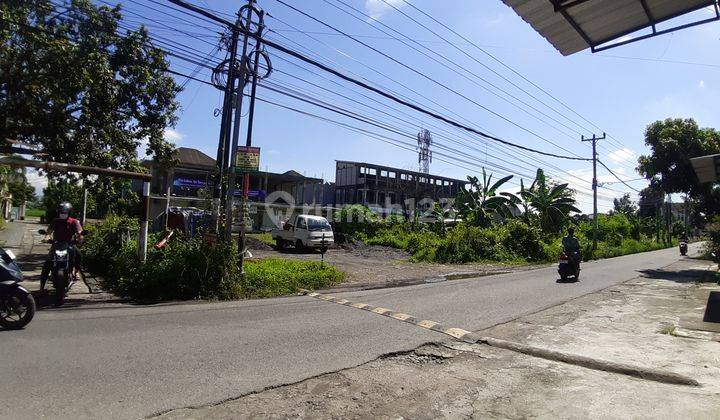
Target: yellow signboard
247 159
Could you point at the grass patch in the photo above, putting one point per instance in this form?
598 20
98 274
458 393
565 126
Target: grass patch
35 212
277 277
265 237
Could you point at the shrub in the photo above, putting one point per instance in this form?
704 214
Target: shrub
467 243
522 241
356 218
192 269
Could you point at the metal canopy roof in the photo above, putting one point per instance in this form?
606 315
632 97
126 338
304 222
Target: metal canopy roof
574 25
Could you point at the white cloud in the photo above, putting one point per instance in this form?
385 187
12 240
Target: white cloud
36 180
377 8
173 135
624 154
701 85
624 38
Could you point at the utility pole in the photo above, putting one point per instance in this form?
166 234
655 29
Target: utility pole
248 10
594 140
221 161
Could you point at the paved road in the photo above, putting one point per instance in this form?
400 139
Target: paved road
129 362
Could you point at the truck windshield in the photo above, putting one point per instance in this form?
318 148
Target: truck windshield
318 224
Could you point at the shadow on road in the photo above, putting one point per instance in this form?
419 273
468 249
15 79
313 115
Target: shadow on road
681 276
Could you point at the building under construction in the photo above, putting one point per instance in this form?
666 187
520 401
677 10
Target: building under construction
379 187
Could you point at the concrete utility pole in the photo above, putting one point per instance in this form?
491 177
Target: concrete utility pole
248 9
594 140
221 161
248 142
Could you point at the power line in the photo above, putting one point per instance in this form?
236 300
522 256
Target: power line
618 178
433 53
427 15
425 76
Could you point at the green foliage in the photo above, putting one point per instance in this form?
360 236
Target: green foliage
33 212
624 205
276 277
21 190
85 91
357 219
61 190
552 203
481 203
265 237
81 87
191 268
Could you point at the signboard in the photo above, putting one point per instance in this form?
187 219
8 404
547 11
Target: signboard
247 159
181 181
258 194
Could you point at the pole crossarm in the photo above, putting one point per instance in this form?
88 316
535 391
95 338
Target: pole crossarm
69 167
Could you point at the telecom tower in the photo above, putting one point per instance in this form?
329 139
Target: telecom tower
424 140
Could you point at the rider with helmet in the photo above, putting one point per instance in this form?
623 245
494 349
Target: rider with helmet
64 229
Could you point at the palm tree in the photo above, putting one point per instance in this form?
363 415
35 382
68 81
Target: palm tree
553 203
482 202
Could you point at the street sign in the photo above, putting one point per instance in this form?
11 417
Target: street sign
247 159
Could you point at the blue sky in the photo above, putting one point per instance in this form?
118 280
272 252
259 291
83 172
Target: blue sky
620 91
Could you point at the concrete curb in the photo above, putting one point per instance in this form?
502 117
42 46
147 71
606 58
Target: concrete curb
590 363
473 338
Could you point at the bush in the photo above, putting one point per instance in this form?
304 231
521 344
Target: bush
189 268
523 241
467 243
357 219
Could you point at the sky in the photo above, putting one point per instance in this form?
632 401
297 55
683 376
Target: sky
619 91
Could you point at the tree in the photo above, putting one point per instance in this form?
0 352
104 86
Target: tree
553 203
59 190
673 142
21 190
624 205
81 89
481 203
651 199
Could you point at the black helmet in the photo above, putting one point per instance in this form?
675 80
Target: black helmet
571 229
64 208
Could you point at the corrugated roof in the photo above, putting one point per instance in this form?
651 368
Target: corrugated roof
194 157
574 25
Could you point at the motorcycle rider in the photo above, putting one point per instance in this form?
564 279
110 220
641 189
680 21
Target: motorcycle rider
64 229
684 237
571 246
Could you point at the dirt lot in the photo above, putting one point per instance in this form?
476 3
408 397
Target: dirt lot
379 266
641 322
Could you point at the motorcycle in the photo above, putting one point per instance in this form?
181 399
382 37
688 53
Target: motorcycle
569 265
61 269
17 305
683 248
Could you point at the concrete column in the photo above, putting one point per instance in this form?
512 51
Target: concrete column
144 216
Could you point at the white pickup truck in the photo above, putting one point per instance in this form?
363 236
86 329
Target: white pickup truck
303 231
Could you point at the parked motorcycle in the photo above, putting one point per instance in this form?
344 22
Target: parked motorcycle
17 306
683 248
569 265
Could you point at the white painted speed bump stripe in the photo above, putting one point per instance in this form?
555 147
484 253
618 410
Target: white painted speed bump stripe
457 333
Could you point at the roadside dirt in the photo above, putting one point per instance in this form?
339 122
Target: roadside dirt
637 322
380 266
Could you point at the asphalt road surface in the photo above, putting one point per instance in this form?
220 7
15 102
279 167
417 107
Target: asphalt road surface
135 361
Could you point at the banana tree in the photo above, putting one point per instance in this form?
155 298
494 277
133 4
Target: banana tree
553 203
481 203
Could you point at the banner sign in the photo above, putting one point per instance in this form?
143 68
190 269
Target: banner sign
247 159
258 194
180 181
